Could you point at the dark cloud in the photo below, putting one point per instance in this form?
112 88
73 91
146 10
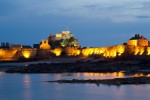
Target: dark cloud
93 23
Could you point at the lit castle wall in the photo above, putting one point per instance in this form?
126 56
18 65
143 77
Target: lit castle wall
14 54
111 51
137 45
7 54
28 53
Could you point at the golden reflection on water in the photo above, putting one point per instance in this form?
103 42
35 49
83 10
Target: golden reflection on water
91 75
148 75
26 81
57 76
138 75
1 73
27 86
114 74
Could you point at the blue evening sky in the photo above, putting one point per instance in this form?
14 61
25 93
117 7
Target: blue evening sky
94 22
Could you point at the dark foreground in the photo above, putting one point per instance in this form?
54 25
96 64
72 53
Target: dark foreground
88 66
115 81
126 66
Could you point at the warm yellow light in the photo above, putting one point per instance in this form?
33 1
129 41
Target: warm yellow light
148 50
45 45
133 42
26 54
136 50
1 52
57 51
111 51
121 74
72 51
138 75
141 50
7 54
148 75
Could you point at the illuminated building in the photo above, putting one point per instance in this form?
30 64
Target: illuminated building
65 44
44 45
137 45
138 40
63 35
64 39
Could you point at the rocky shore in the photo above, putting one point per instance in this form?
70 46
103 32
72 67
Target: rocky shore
75 65
62 65
115 81
88 66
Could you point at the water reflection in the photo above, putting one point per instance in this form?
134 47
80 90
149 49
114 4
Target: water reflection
1 73
148 75
27 87
58 76
32 87
26 81
138 75
105 75
44 77
91 75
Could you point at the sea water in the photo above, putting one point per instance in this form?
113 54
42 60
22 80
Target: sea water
35 87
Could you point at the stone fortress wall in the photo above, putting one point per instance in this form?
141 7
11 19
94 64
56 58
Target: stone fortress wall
137 45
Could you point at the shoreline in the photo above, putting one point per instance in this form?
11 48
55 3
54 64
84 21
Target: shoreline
89 65
78 67
77 64
115 81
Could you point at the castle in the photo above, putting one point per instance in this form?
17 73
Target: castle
137 45
64 43
54 44
138 40
66 38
